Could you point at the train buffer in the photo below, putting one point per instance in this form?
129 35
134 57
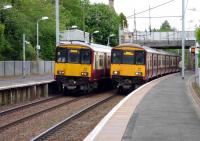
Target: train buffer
18 89
162 110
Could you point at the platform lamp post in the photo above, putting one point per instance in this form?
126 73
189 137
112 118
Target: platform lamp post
112 35
183 38
92 34
24 55
38 46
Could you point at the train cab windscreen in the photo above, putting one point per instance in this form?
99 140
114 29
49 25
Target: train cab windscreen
61 55
74 56
139 57
116 56
85 56
128 57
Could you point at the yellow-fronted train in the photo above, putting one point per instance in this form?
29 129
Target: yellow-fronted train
81 66
132 64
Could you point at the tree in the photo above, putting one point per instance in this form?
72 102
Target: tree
104 19
165 27
197 34
123 20
22 18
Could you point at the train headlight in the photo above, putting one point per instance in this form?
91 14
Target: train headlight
60 72
115 72
84 73
138 73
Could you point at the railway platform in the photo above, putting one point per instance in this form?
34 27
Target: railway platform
19 89
161 110
18 80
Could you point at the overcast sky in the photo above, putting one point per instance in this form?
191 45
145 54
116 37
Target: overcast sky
171 9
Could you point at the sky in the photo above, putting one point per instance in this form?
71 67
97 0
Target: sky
174 8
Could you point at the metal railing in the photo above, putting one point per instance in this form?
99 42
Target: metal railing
157 36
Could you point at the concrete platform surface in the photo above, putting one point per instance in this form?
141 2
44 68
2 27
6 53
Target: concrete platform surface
9 81
165 114
161 110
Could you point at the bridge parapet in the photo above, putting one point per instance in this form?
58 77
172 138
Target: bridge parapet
160 39
175 35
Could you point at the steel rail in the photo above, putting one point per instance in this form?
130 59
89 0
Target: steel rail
38 113
54 128
27 105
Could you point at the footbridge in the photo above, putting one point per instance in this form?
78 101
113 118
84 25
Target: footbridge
159 39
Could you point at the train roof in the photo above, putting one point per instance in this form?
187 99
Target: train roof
95 47
147 49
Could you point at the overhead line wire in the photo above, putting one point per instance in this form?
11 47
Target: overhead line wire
151 8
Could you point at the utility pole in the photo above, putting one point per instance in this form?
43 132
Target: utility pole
24 42
37 46
183 38
135 29
57 23
24 55
83 10
149 19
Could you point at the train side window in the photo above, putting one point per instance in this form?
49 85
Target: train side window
163 61
100 60
167 60
159 60
155 61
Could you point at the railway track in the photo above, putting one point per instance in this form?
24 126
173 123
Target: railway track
67 120
7 111
3 127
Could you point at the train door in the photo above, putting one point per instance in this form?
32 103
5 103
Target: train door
105 65
158 57
155 67
177 62
163 64
152 65
148 65
171 64
95 64
167 63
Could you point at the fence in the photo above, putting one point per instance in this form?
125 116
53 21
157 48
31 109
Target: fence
15 68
